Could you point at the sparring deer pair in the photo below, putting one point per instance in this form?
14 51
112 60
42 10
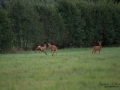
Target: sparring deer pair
42 49
97 48
53 48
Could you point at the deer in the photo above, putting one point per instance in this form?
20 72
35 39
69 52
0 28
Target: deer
42 49
38 48
53 48
97 48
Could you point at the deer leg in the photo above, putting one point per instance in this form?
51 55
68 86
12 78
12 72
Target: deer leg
56 52
53 53
99 51
45 53
94 52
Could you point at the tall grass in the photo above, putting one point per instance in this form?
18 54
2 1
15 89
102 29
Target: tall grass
70 69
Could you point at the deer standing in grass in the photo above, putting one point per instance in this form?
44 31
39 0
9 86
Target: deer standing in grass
53 48
42 49
97 48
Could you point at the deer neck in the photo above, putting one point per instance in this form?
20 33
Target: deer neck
100 46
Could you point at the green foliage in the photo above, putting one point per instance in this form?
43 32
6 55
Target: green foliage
5 32
99 22
66 23
116 24
87 14
106 23
52 23
25 24
73 22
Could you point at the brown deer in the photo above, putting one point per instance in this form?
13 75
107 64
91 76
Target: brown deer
42 49
97 48
38 48
53 48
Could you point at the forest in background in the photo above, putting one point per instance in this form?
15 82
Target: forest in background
25 24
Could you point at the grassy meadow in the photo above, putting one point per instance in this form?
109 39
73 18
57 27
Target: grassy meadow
70 69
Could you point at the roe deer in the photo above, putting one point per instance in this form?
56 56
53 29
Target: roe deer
42 49
53 48
38 48
97 48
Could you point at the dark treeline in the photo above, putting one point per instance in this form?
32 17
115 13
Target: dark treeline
24 24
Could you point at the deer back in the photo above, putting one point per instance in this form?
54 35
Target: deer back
43 48
98 47
52 47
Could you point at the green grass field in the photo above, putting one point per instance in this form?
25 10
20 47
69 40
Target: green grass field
70 69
